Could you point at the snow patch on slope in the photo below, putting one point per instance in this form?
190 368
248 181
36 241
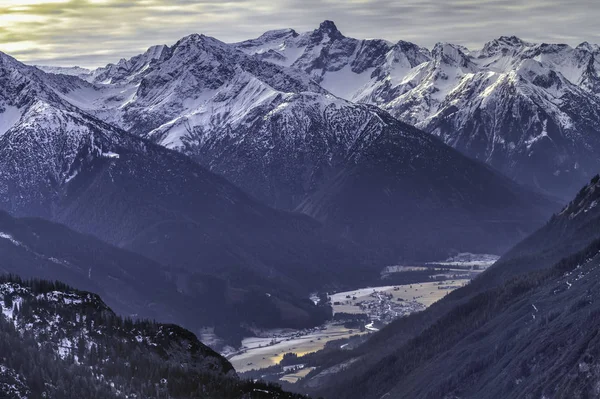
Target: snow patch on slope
9 118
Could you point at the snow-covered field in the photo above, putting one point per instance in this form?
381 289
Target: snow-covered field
469 259
265 352
293 378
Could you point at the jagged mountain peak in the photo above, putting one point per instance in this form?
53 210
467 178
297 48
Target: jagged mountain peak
197 48
553 54
133 68
277 34
553 47
504 43
200 39
452 54
155 53
328 26
11 70
592 48
327 30
21 85
6 59
446 47
409 46
511 40
157 50
152 53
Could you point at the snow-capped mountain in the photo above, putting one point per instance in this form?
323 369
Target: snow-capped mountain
234 113
60 163
349 68
529 110
519 107
159 88
274 132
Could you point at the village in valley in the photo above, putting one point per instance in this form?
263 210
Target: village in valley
382 305
356 313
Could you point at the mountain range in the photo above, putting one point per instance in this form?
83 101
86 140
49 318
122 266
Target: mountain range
146 154
273 131
529 110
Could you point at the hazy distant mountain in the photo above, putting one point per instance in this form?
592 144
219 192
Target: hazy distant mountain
80 72
130 283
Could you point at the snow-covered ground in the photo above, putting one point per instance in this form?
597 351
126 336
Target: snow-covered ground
469 259
12 384
476 263
257 353
9 118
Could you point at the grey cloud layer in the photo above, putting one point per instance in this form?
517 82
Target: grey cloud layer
89 33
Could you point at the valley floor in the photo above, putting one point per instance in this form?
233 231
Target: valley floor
380 304
369 309
258 353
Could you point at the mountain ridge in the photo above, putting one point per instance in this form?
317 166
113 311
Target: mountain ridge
543 139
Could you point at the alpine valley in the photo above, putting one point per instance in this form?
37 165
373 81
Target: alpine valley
233 188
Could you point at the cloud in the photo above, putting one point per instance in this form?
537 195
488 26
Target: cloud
95 32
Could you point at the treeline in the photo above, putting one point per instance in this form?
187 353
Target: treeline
36 285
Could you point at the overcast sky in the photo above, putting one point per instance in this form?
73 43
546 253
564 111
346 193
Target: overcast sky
94 32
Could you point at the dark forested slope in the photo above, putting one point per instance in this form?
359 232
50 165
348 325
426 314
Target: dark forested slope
56 342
